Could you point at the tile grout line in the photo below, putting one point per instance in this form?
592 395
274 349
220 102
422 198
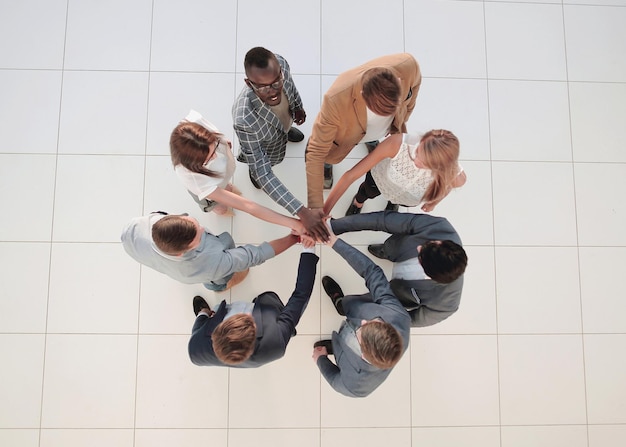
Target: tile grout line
56 172
578 259
493 221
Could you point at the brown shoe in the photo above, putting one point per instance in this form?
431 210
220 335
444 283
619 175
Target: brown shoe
237 278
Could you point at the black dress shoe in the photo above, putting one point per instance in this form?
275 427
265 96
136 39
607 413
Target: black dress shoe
335 293
392 207
254 182
328 176
377 250
328 344
353 209
199 303
294 135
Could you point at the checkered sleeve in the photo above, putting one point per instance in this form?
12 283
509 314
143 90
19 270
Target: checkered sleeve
295 101
261 169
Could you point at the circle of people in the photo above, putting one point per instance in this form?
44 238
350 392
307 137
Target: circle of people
369 104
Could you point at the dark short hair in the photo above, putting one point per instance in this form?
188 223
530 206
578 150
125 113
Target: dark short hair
443 261
172 234
234 339
258 57
381 344
381 91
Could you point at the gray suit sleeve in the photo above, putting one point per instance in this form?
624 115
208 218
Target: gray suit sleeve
394 223
375 278
332 374
240 258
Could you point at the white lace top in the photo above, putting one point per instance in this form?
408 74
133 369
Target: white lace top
398 179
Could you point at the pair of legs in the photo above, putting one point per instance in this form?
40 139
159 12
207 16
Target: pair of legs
367 190
328 168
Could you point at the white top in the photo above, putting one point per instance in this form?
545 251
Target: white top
411 269
202 185
377 127
398 179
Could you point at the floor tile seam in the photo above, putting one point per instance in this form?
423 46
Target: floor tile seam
52 219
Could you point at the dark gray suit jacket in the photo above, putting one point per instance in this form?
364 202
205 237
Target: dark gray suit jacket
427 301
275 322
352 376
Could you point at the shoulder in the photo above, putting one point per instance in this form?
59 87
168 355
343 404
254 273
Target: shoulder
282 62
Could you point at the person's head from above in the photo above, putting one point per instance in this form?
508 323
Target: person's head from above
264 75
234 339
443 261
175 235
381 344
438 151
381 91
193 147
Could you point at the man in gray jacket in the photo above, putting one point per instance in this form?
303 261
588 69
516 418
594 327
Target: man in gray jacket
180 247
374 335
429 260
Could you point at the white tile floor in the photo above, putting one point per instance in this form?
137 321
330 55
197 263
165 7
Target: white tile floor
93 347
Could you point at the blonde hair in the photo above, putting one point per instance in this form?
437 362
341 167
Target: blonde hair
381 344
234 339
441 155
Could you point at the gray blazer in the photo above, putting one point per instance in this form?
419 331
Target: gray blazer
427 301
211 263
352 376
263 139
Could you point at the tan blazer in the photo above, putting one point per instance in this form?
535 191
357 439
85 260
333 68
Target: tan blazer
342 120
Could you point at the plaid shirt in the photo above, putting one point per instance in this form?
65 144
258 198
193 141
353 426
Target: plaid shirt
263 139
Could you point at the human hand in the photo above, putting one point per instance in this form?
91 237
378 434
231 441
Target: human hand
313 221
307 241
332 237
429 206
299 116
318 351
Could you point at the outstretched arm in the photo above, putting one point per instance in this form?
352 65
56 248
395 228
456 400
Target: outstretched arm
323 134
261 168
375 278
236 201
291 314
387 149
394 223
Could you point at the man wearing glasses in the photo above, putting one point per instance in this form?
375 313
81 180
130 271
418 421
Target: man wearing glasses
262 117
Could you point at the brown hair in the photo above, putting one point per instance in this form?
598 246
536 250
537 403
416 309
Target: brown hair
381 91
173 234
381 344
441 155
443 261
234 339
190 145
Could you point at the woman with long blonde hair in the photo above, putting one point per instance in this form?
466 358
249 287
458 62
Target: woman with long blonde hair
407 170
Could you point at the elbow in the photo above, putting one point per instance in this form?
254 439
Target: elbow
460 180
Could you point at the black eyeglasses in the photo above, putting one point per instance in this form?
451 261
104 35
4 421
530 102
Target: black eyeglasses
276 85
